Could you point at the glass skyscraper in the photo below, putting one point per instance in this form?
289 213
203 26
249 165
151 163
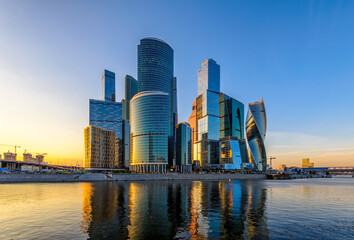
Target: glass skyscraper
155 73
208 115
231 117
149 131
106 115
131 88
184 148
108 86
256 126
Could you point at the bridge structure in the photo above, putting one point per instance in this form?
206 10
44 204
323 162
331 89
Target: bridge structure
348 170
13 165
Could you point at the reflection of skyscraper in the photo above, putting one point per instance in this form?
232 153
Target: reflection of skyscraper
108 86
105 210
256 127
208 115
155 73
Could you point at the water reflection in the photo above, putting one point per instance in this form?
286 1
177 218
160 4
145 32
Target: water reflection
174 210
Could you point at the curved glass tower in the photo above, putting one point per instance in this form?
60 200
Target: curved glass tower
149 129
256 126
155 73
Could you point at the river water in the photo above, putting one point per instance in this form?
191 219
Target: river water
238 209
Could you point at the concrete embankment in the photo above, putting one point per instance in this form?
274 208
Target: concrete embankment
99 177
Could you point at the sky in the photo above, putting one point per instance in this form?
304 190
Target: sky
297 55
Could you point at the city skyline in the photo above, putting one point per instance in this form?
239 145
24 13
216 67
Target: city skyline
44 109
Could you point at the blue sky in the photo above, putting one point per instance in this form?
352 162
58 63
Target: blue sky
298 55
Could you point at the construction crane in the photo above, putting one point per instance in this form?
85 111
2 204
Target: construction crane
14 146
271 158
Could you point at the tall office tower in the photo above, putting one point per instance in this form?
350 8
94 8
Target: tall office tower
100 147
208 116
131 88
108 116
256 126
184 148
155 73
193 123
231 117
149 131
108 86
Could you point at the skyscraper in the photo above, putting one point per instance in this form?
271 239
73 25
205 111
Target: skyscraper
183 148
131 88
150 125
108 86
208 116
193 123
107 115
155 73
231 117
256 126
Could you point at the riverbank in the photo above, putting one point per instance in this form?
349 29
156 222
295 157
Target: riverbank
100 177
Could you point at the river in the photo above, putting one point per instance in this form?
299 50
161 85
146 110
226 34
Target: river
237 209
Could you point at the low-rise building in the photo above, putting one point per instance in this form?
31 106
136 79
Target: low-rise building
100 148
306 163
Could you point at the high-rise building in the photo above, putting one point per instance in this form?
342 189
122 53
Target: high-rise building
100 148
108 86
183 148
149 131
208 116
256 126
193 123
131 88
155 73
231 117
106 115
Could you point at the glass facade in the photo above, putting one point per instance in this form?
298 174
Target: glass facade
256 125
192 120
206 149
106 115
184 148
209 77
233 153
231 117
149 129
131 88
155 73
108 86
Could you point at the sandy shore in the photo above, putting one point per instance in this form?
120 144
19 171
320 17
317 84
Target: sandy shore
99 177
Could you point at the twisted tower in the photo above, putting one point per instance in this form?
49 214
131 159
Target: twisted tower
256 126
